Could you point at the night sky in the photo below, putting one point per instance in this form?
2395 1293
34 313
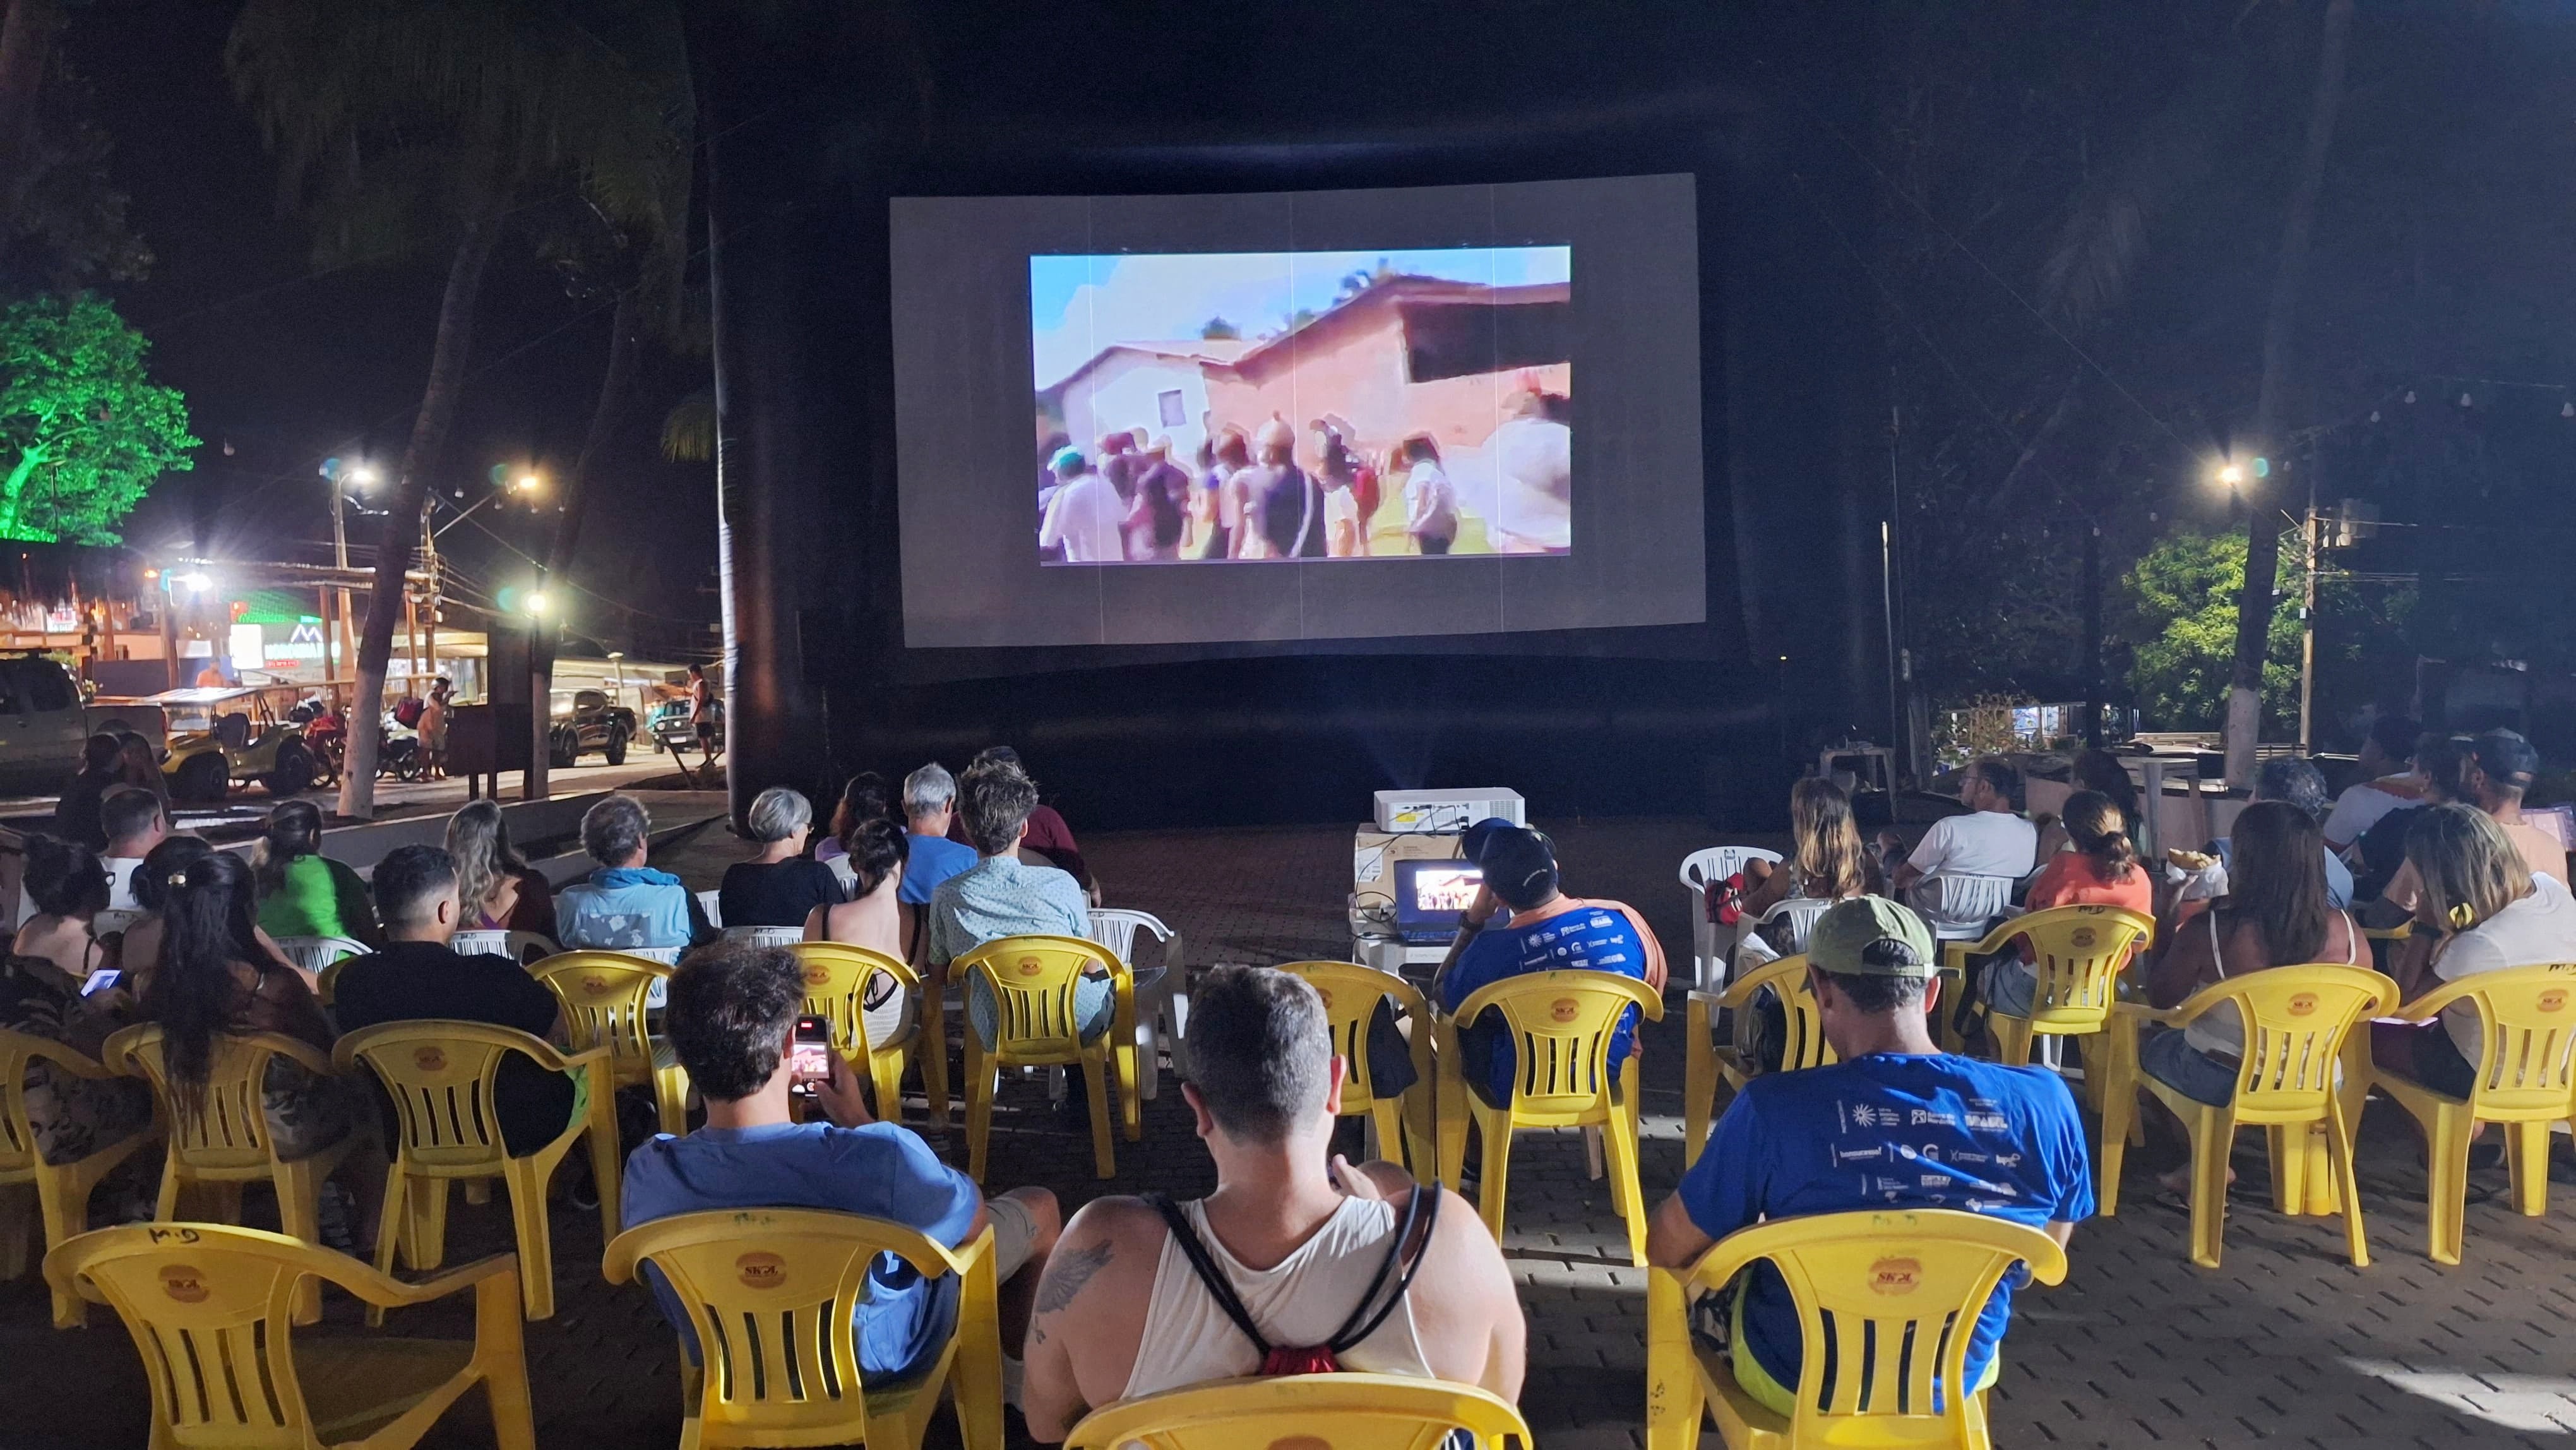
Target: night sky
290 365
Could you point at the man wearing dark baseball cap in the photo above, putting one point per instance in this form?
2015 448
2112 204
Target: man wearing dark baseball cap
1546 931
2504 766
1893 1123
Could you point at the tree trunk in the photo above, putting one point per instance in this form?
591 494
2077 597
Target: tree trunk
26 47
625 335
402 519
2263 539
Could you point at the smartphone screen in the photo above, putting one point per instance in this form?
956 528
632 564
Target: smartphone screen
810 1059
101 981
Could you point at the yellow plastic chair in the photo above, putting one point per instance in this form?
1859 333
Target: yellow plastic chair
2076 953
2526 1081
1707 1062
1332 1411
836 979
603 1002
1405 1127
1559 1024
1032 979
227 1144
768 1293
60 1190
2299 1027
208 1307
440 1076
1890 1296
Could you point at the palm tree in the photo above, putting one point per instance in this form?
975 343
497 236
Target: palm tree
400 121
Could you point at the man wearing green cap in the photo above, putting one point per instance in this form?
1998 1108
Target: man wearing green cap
1894 1123
1083 517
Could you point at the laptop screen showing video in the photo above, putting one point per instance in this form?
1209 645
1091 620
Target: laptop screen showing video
1433 896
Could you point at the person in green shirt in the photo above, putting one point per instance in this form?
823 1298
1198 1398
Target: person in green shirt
303 892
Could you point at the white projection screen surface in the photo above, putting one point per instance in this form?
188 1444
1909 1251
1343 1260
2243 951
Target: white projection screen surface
1298 416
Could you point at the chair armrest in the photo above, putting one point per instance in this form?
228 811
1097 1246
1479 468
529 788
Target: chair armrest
2140 1012
45 1050
567 1061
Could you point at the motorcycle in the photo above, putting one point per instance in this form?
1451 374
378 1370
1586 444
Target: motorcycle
398 750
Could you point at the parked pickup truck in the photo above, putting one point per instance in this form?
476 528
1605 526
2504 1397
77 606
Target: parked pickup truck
44 720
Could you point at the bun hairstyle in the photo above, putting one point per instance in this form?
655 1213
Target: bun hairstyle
64 878
209 920
152 878
878 851
2095 824
294 830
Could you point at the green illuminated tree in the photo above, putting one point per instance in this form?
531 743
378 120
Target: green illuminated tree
2182 598
82 427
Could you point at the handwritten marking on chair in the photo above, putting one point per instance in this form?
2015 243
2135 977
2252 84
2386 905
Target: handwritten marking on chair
1896 1276
429 1059
184 1284
761 1270
1564 1009
2304 1004
174 1235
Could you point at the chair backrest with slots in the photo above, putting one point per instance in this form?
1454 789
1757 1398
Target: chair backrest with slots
227 1132
766 936
1560 1025
1032 980
18 1051
604 997
440 1077
1716 863
1804 1044
2076 955
2297 1020
1788 924
2527 1039
1347 1411
1116 927
1351 996
836 982
1960 907
316 954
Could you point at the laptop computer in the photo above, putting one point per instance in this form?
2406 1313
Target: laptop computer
1432 897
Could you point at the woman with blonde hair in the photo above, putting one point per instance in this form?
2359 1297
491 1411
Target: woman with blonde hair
1827 862
2496 912
498 887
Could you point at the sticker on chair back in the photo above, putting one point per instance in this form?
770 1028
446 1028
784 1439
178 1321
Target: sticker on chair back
2083 938
184 1284
2303 1005
816 976
761 1270
429 1059
1295 1442
1031 966
1325 997
1895 1276
2553 1000
1564 1009
597 986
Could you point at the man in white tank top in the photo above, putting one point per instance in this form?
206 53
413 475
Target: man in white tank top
1312 1251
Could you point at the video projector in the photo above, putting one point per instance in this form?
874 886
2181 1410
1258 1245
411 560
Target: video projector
1439 812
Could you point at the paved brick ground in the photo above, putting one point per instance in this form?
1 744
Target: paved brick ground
2287 1345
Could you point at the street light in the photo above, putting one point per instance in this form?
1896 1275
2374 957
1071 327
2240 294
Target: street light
2231 474
529 482
536 602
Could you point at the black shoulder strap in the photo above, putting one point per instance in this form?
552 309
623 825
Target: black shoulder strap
1212 1278
1422 1210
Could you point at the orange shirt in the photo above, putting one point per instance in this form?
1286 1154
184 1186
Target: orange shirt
2072 878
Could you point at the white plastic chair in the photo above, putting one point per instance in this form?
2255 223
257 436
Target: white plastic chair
114 919
766 936
1700 867
847 873
1783 929
313 953
1163 1014
1962 908
519 946
707 903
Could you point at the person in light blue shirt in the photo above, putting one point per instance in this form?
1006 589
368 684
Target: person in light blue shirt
929 804
1895 1123
1000 895
2288 778
731 1019
626 905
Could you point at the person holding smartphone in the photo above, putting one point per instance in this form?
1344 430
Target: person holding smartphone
733 1020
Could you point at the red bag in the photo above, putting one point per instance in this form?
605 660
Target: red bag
1725 899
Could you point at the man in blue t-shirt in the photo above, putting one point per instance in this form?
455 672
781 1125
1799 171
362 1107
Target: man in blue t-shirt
1547 931
731 1020
1895 1123
929 804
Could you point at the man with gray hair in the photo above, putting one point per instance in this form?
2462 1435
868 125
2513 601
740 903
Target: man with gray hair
625 905
1298 1261
929 805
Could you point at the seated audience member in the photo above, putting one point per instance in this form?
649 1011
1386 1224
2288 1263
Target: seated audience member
733 1010
138 766
501 891
874 919
136 821
142 945
2094 770
2274 915
1826 861
76 810
418 975
777 886
1547 931
2456 771
216 978
2498 913
2102 870
40 995
1990 840
2387 783
1312 1251
626 904
2301 784
2441 773
2007 1139
1049 838
1000 895
862 800
68 888
929 815
303 892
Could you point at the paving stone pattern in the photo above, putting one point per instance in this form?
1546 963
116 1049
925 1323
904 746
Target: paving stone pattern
2288 1345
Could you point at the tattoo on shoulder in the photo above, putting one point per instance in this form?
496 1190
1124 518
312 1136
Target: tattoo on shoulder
1066 1274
